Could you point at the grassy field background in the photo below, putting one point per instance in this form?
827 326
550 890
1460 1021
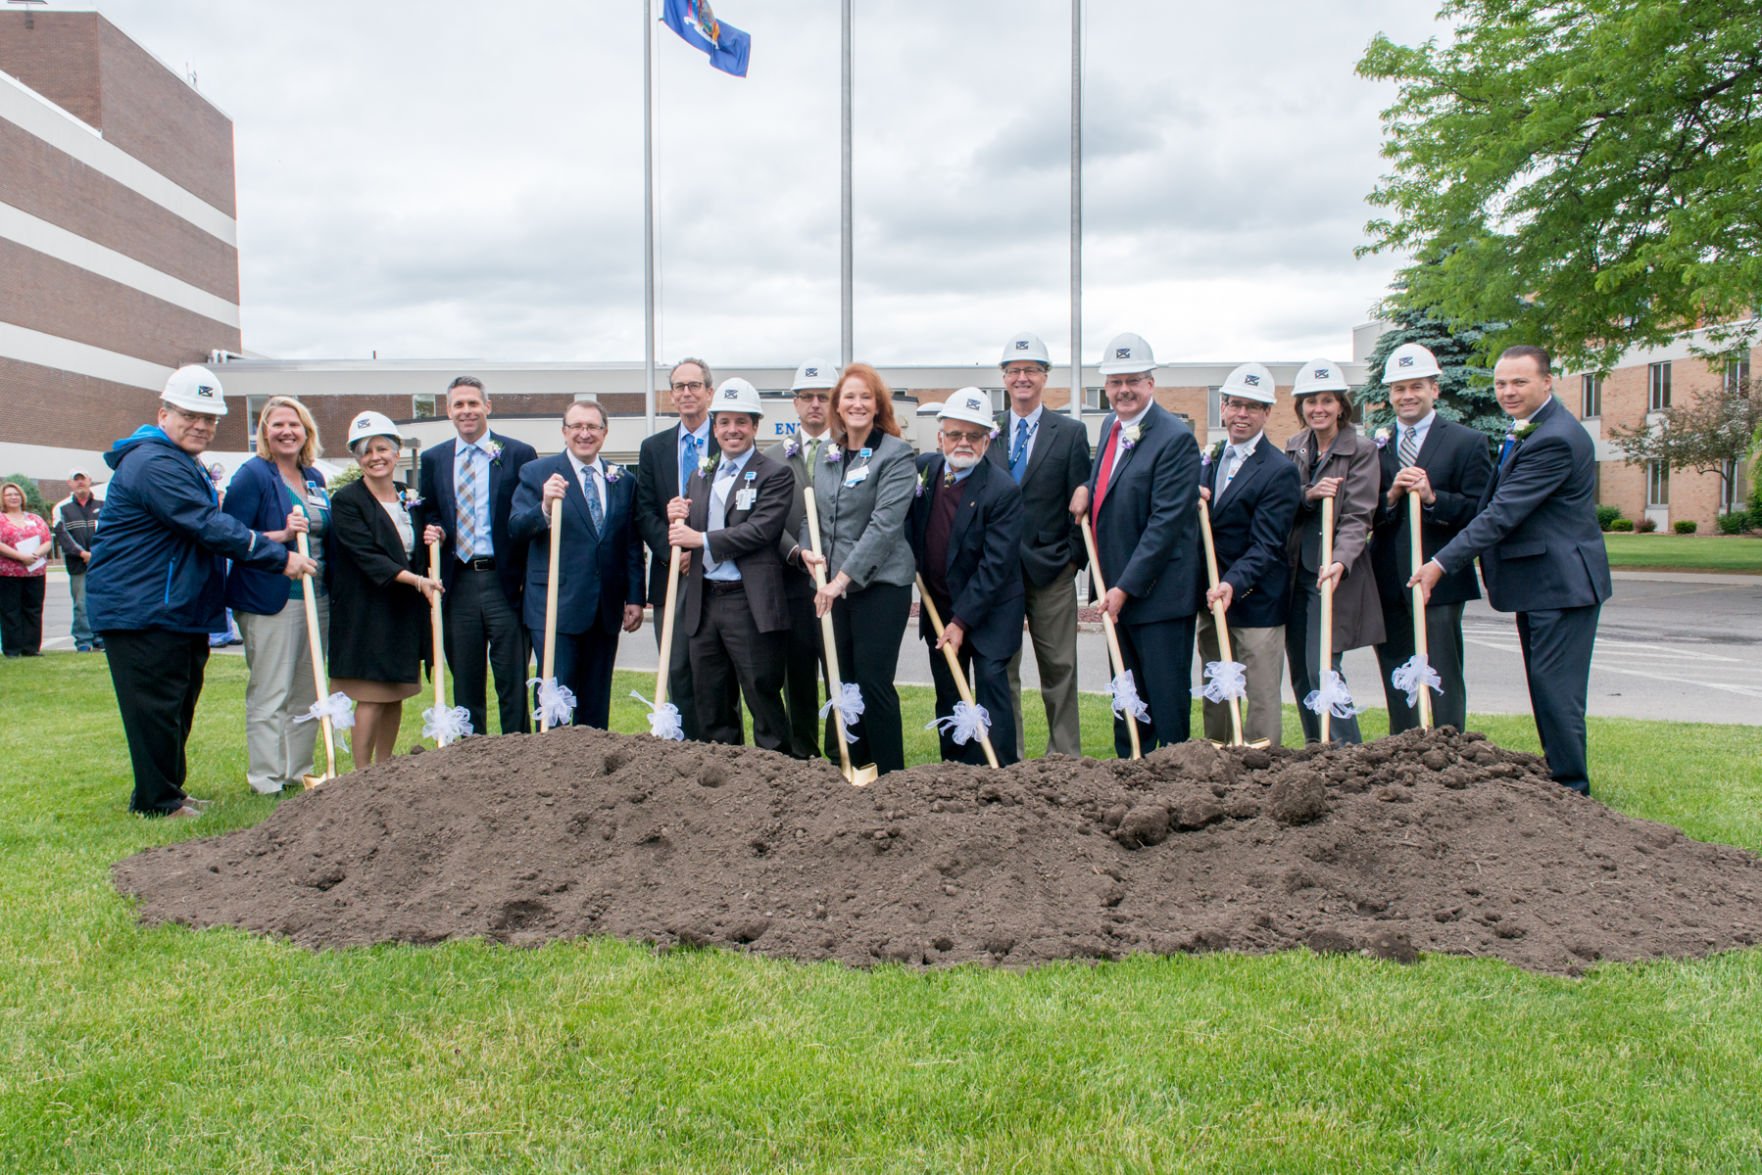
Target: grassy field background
1685 552
125 1049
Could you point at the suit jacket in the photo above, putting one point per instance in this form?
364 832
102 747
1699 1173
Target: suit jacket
862 522
983 566
601 567
379 628
441 508
1147 533
1250 524
257 498
798 584
749 538
1536 532
1358 611
1457 463
657 483
1059 463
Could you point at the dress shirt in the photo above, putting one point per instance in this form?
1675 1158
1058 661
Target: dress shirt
726 477
1420 428
1015 423
1234 456
702 433
598 481
474 454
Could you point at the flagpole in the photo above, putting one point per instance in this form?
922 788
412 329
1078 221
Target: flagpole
845 319
648 219
1077 210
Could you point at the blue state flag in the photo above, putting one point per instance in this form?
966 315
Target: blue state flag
697 25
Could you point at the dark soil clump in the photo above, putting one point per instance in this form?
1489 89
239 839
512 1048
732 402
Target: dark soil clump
1435 842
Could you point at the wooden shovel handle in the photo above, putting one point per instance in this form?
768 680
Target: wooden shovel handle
1107 626
954 667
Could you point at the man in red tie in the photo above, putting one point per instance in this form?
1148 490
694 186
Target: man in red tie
1143 503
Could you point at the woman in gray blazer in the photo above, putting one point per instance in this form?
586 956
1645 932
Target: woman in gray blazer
863 486
1333 461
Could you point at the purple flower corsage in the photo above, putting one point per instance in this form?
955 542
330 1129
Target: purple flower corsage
613 472
1382 437
834 455
792 450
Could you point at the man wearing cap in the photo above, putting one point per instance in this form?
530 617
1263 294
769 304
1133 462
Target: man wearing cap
157 584
733 610
664 467
1047 454
966 531
1541 553
812 388
1448 465
1252 491
76 526
1142 501
467 488
599 592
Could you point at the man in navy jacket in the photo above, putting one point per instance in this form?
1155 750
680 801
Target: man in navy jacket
1541 553
158 578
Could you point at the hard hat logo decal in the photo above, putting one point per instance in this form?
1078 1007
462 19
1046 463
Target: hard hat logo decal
1021 344
811 371
1122 352
1252 381
206 392
1405 361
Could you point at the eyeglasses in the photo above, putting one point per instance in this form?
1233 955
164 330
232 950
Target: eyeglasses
587 427
820 397
197 417
696 385
1130 381
971 437
1016 372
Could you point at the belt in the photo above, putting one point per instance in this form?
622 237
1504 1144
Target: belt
724 587
481 563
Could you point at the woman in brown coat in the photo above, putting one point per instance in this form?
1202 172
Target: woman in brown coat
1333 461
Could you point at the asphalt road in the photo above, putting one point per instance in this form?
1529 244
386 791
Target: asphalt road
1670 646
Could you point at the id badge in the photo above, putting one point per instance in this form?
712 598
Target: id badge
744 499
856 476
317 495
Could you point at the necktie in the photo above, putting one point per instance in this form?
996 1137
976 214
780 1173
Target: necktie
1505 449
688 463
813 452
1018 454
1233 458
467 503
589 488
1106 475
1409 447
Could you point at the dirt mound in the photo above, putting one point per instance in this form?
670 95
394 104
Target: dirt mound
1422 842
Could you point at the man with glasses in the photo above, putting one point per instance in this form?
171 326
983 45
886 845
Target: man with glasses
156 582
1142 501
1047 454
467 487
812 388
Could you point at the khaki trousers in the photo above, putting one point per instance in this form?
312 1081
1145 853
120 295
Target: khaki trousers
1262 651
279 690
1052 626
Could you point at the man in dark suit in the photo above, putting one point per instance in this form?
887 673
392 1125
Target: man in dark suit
664 466
467 488
1142 501
1448 465
966 531
1046 453
812 389
599 586
1253 491
733 610
1541 553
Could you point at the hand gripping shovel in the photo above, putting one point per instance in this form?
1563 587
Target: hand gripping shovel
1225 679
856 776
960 680
331 710
1126 702
556 703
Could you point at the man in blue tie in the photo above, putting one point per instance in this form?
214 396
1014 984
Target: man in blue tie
1046 453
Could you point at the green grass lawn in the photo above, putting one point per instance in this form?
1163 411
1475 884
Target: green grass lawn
126 1049
1684 552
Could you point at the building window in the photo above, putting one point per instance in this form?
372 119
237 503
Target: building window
1737 373
1214 409
1590 396
1094 400
424 407
253 410
1657 483
1658 386
999 398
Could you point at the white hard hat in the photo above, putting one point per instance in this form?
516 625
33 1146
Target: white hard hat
1125 355
1320 375
969 404
814 374
1025 347
1251 381
195 389
373 424
736 395
1410 361
77 471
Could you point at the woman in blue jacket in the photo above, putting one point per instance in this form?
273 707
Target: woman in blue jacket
279 492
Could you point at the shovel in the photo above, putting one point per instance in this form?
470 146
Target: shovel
443 723
549 678
320 674
1223 627
954 667
856 776
1414 506
1327 608
1113 636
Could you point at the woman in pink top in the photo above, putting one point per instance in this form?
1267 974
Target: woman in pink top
24 558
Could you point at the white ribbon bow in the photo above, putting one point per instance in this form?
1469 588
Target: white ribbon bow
1333 696
664 719
849 703
1225 681
338 708
446 724
1125 697
556 703
1415 674
969 721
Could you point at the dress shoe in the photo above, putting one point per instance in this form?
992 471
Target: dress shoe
198 804
184 813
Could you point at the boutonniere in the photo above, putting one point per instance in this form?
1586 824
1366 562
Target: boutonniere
1212 454
707 464
792 450
494 448
834 455
994 431
613 472
923 483
1129 438
408 500
1382 436
1521 432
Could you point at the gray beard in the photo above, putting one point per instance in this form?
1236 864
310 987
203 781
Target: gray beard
961 462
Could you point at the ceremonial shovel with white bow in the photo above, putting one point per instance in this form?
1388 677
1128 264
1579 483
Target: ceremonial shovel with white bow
1416 675
844 696
960 681
331 710
556 703
1225 682
1126 702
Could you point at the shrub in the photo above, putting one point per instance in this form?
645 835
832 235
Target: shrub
1734 523
1606 516
1648 525
1685 526
1622 525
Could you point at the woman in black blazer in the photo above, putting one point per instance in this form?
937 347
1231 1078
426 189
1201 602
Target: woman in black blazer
379 635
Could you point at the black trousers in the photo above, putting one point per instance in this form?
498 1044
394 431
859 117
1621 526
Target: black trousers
681 685
479 617
867 626
1557 645
729 653
21 613
1160 656
1443 650
158 678
584 664
802 674
993 694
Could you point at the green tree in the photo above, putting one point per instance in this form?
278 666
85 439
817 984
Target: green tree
1465 388
1712 433
1585 171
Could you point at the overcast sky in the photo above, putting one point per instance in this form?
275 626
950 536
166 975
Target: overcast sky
447 179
